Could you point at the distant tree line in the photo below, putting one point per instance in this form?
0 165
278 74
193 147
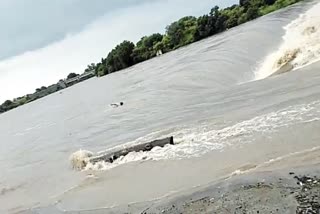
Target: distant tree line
185 31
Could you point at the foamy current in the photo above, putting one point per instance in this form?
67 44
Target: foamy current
195 142
300 46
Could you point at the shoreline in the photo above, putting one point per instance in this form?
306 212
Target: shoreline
295 190
288 190
284 185
290 184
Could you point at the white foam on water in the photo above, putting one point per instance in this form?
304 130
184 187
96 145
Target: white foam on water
195 142
300 46
80 159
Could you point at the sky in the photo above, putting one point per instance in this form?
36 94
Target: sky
44 41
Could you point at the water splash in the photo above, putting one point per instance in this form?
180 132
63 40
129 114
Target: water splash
199 140
300 47
80 159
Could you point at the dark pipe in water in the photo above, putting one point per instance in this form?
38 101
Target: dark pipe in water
114 155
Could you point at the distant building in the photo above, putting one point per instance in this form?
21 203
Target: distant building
38 94
77 79
53 88
159 52
86 75
62 84
71 81
46 91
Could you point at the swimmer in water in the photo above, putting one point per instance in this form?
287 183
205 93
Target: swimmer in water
115 105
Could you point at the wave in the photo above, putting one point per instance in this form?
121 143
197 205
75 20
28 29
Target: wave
300 47
195 142
80 159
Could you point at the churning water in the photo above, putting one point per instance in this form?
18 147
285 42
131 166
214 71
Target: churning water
300 47
205 95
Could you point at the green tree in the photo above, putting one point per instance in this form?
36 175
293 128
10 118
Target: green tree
244 3
91 67
7 103
206 26
100 70
144 49
269 2
150 41
242 19
120 57
233 14
252 13
182 32
159 46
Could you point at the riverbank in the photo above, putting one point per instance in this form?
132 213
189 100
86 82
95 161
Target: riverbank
45 91
291 190
287 191
290 184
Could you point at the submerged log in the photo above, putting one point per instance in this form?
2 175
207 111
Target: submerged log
114 155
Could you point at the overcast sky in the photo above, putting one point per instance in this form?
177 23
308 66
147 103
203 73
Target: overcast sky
42 41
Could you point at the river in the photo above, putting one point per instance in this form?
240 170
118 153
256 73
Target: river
213 96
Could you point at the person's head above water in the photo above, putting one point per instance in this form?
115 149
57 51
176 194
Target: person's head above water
121 103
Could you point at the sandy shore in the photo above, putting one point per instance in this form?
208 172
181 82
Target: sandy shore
294 190
290 184
285 191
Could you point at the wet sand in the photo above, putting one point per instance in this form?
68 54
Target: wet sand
286 191
294 190
288 184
